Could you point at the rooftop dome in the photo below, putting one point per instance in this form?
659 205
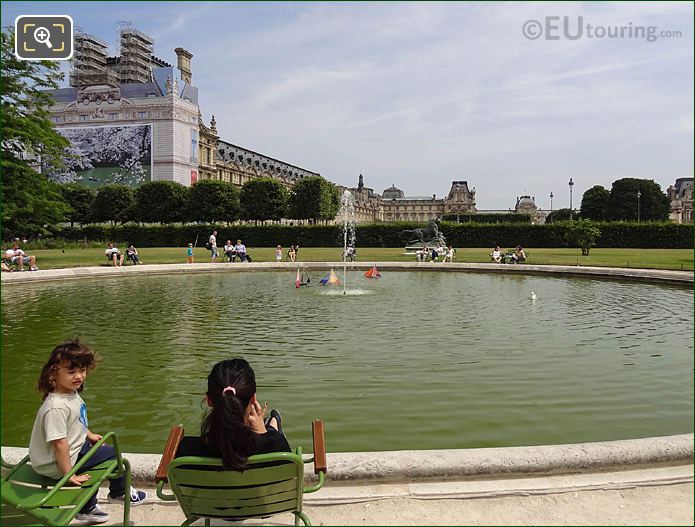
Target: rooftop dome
525 204
393 193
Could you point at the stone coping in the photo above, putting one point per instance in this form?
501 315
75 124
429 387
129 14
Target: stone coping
474 463
619 273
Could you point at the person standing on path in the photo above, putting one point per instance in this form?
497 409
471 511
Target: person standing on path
213 246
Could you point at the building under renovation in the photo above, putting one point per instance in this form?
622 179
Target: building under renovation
133 117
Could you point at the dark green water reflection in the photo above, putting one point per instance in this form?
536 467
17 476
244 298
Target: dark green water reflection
423 360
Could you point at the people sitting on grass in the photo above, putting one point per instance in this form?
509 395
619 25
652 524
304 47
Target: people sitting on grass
113 254
18 257
496 255
292 254
519 255
230 251
131 253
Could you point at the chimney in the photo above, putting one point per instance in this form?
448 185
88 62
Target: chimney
184 63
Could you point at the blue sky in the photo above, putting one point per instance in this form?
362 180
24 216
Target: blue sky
420 94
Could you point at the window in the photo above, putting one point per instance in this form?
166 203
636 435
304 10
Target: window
142 115
83 117
113 116
194 146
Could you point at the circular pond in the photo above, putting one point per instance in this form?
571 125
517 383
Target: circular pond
418 361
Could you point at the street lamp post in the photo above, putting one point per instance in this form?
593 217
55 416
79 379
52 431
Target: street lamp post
639 194
571 184
551 204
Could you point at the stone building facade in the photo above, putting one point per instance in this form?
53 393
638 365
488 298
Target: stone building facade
681 196
138 88
394 205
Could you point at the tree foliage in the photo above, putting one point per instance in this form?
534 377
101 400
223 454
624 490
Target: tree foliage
263 199
211 201
113 203
80 199
160 202
583 234
560 215
29 200
653 203
314 198
595 203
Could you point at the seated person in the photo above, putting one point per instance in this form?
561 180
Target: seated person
519 255
18 257
292 254
113 255
450 254
496 255
235 427
131 253
229 251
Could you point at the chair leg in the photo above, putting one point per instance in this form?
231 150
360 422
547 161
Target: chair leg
126 501
301 516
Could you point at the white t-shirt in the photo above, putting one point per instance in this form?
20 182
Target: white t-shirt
278 254
240 248
496 254
228 248
111 250
213 240
60 416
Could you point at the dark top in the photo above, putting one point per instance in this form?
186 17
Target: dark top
271 441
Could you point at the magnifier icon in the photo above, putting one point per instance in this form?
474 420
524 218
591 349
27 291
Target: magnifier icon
42 36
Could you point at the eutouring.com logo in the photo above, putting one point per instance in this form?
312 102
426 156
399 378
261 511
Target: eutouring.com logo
574 28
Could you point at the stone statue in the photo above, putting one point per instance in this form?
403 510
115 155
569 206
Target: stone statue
430 235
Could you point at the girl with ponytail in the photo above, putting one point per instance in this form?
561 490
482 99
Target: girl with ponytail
235 427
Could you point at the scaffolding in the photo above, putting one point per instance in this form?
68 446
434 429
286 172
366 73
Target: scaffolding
88 65
135 65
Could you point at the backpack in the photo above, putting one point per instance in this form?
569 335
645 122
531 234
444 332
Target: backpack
208 246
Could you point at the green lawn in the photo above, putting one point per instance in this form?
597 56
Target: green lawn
678 259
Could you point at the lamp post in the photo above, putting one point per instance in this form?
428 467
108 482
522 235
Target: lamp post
571 184
551 204
639 194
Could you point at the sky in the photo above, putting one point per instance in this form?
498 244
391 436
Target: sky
421 94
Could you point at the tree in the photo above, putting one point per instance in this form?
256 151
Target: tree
113 203
560 215
653 203
595 203
29 200
80 199
314 198
582 233
160 202
211 200
264 199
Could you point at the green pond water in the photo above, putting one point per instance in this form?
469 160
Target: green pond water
415 360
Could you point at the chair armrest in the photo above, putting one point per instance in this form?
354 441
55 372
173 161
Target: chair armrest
319 446
175 436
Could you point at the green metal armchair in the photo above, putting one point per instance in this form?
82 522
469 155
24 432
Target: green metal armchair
271 484
31 499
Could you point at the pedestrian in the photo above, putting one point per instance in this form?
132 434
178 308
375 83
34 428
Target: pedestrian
212 242
190 254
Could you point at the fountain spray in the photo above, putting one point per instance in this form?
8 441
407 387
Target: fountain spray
347 214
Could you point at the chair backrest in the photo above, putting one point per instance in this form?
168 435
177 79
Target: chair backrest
272 483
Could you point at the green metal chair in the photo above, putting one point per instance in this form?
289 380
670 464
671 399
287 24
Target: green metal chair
272 483
31 499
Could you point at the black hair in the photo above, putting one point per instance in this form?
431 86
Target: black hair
74 354
223 430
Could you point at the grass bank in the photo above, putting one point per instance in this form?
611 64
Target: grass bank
676 259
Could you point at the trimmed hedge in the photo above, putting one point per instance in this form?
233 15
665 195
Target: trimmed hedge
512 217
613 234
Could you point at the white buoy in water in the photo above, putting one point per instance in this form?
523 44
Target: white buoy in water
533 296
